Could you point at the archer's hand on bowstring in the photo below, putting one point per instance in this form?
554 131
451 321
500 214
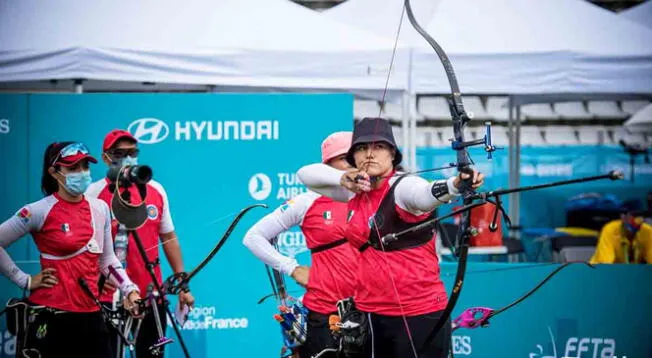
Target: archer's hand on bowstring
476 182
301 274
356 180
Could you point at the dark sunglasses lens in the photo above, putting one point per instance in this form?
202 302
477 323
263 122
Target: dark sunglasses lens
122 153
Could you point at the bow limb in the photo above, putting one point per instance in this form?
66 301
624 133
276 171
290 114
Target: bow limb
179 282
475 317
538 286
464 162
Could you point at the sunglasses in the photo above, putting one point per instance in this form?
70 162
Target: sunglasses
71 150
120 153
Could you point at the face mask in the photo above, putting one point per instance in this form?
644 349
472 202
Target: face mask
77 183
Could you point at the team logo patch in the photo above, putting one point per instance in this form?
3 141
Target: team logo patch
287 205
42 331
24 215
65 228
152 212
350 216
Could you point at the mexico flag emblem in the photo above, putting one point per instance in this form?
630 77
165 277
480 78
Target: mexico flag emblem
328 217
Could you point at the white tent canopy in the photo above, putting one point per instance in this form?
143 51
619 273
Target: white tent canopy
641 14
384 20
261 43
526 47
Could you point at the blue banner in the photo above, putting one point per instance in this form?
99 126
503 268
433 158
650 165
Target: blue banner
215 154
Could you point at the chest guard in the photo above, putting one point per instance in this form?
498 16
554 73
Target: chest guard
387 220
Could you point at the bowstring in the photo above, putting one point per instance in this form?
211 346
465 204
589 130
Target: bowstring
366 196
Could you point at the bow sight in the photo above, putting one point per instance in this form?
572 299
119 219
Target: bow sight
485 141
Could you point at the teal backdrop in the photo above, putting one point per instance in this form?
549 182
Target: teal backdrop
209 174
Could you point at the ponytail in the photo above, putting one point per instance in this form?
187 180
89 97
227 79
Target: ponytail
49 185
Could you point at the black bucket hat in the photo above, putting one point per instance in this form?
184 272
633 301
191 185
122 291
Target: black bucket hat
370 130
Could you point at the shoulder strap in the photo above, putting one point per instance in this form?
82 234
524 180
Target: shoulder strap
328 246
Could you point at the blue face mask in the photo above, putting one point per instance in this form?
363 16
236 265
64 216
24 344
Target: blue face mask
77 183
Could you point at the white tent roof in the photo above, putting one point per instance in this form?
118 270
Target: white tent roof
529 47
384 20
641 14
261 43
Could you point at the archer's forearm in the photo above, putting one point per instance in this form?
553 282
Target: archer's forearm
172 251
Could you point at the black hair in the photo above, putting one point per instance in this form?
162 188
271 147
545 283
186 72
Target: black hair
49 185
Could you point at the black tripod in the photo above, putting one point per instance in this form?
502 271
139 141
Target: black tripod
162 297
634 151
134 218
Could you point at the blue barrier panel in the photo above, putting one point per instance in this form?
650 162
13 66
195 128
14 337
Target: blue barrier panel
580 312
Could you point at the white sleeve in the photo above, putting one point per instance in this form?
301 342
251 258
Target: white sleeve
166 217
258 238
25 221
414 194
325 180
95 188
109 263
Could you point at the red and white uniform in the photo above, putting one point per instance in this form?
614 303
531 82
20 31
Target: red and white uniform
159 221
322 221
75 239
412 274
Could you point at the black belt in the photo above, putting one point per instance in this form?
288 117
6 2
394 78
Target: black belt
328 246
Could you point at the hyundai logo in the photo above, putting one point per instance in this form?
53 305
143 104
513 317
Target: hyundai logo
149 130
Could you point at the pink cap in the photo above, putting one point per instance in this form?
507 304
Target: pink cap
336 144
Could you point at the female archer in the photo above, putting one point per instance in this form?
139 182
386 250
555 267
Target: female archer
73 235
334 261
399 287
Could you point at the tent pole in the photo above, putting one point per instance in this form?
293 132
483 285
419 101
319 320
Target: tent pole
412 124
79 86
517 173
405 121
406 137
511 135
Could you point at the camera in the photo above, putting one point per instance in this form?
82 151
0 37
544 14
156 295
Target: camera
131 174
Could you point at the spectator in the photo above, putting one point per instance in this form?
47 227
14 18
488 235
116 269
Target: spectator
627 240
